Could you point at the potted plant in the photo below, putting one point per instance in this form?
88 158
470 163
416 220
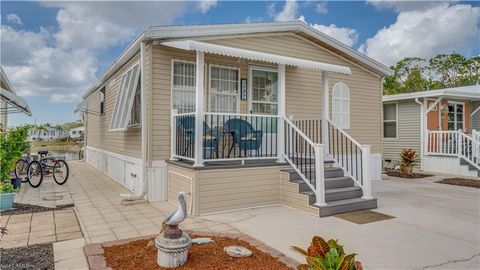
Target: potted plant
408 158
329 254
13 143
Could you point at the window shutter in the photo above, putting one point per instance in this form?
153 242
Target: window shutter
123 104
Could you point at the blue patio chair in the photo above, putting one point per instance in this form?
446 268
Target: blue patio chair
244 135
210 136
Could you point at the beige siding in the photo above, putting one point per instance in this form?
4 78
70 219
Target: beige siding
179 179
98 135
475 120
408 132
223 190
304 87
292 198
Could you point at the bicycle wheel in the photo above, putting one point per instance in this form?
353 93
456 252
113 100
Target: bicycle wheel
21 169
35 174
60 172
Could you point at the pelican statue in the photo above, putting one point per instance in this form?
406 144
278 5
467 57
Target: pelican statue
170 224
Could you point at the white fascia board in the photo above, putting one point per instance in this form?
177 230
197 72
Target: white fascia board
465 92
172 32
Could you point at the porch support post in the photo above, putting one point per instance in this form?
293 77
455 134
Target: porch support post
282 114
325 112
319 150
199 110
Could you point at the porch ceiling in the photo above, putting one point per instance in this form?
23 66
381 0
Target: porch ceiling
191 45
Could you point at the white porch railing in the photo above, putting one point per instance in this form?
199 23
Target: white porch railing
351 156
226 136
455 144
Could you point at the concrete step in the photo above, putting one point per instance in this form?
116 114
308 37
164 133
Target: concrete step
344 206
470 166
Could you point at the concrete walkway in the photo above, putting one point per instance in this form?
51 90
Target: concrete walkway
437 226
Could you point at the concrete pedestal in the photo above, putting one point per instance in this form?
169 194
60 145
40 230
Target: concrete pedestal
172 252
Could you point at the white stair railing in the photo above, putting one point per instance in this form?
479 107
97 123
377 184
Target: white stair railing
306 158
349 155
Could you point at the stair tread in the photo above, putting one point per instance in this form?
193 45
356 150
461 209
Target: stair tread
345 201
343 189
337 178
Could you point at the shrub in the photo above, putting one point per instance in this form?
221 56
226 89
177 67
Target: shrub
13 143
327 255
408 157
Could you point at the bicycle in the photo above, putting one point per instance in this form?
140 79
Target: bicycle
45 166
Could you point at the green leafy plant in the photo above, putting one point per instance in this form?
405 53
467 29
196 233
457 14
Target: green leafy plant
408 157
327 255
13 143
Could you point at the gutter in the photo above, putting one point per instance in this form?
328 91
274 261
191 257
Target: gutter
127 198
422 131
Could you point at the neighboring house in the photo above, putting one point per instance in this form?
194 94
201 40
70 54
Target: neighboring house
75 133
441 125
9 101
235 114
47 134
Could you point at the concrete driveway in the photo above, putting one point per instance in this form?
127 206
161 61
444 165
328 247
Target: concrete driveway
436 227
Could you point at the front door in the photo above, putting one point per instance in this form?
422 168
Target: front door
263 90
455 118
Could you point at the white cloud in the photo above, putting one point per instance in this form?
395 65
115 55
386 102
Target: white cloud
425 33
250 19
206 5
13 18
321 8
62 64
405 5
346 35
290 12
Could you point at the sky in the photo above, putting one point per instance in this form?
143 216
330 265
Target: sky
53 51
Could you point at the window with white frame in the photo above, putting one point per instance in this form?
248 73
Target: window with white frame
122 112
136 112
223 94
341 105
390 120
183 86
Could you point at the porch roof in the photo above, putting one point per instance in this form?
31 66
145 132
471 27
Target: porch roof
471 92
192 45
17 103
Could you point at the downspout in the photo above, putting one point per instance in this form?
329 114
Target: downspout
422 131
141 196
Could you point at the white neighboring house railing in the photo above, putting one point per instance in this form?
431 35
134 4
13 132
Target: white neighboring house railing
455 144
351 156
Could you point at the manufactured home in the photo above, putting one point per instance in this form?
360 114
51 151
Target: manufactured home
240 116
10 102
441 125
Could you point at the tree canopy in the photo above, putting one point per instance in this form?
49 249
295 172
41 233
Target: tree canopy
414 74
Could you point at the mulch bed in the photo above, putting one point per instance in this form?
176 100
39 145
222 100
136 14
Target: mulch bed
464 182
139 254
36 257
20 208
412 176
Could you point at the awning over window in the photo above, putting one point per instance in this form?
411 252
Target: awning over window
14 103
191 45
123 105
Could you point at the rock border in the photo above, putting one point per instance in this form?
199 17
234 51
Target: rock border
96 259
